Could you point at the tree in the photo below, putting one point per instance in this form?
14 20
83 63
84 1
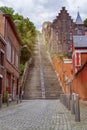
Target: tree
7 10
85 22
27 33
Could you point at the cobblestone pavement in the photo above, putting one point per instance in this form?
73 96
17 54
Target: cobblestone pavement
41 115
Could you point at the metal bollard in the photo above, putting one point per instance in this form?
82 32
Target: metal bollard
77 109
68 100
70 91
17 99
73 105
0 100
7 99
20 97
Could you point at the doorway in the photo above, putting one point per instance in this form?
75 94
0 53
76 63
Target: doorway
0 85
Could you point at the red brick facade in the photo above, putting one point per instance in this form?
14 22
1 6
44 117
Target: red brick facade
80 82
2 63
11 55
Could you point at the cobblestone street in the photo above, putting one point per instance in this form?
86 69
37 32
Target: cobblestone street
45 112
41 115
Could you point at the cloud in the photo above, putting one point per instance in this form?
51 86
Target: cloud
39 11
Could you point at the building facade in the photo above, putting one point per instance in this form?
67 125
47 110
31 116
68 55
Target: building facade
11 53
79 52
62 30
2 63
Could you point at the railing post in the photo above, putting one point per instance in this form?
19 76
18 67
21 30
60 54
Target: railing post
77 109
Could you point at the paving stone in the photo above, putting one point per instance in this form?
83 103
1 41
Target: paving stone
41 115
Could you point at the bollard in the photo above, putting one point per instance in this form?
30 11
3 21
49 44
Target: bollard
68 100
61 98
7 99
77 109
17 99
73 105
20 97
70 91
0 100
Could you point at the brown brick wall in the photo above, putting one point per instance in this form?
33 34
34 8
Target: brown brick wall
15 44
7 30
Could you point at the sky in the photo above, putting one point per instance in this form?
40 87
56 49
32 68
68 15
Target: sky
39 11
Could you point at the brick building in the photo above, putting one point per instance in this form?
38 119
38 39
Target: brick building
62 30
2 62
80 82
10 51
79 52
65 29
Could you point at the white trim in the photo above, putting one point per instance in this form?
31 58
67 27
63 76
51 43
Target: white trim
2 51
1 76
3 39
80 51
68 61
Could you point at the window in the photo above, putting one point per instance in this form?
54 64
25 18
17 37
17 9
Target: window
16 59
71 36
79 32
8 79
7 82
1 58
13 54
78 59
9 50
0 85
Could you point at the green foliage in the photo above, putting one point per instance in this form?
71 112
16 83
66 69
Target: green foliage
60 55
85 22
28 35
7 10
22 67
68 55
27 31
17 17
65 55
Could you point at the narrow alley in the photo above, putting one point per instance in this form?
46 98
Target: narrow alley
38 110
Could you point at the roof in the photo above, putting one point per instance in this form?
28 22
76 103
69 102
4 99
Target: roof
80 41
9 18
78 19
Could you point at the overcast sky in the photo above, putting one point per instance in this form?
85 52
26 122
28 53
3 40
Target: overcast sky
39 11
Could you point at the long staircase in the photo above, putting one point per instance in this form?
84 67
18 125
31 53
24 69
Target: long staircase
42 81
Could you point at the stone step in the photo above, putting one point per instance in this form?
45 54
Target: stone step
51 88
